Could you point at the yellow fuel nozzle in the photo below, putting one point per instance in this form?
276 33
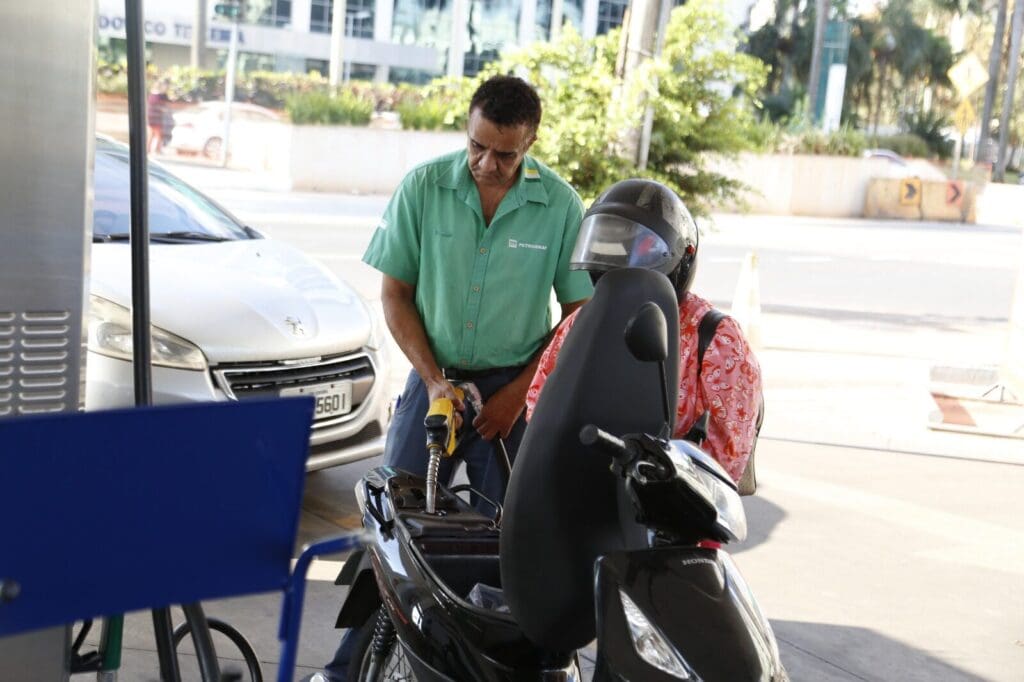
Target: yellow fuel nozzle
442 433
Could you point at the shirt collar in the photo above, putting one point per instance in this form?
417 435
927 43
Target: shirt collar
528 187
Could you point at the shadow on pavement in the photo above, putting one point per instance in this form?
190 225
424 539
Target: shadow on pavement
823 653
762 518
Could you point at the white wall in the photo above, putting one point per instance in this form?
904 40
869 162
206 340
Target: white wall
366 160
783 184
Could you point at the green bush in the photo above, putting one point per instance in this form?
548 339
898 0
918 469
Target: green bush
930 127
437 106
320 108
422 115
771 138
905 144
765 137
111 79
842 142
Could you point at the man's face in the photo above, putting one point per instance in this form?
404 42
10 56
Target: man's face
495 153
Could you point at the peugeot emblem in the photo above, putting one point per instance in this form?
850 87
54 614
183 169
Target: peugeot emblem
296 325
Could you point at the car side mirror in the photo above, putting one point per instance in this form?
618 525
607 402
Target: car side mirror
647 334
646 337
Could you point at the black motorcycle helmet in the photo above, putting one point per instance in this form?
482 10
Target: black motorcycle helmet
641 224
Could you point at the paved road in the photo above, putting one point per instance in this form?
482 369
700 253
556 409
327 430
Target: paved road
879 549
933 271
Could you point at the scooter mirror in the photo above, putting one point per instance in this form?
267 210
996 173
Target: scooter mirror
647 334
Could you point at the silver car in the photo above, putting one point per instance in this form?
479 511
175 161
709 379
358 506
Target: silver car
234 316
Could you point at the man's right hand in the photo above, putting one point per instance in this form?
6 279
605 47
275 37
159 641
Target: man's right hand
442 388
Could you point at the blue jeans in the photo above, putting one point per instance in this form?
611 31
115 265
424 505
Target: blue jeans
406 449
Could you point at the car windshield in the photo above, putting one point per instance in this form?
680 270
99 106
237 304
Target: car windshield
175 210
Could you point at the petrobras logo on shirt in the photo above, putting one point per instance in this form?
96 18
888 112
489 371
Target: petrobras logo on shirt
516 244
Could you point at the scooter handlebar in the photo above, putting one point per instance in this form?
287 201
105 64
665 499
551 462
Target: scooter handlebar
592 435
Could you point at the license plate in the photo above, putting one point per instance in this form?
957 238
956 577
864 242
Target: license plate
331 399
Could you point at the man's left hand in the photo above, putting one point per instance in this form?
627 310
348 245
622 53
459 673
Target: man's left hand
500 412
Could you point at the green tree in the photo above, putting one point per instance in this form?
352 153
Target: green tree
702 91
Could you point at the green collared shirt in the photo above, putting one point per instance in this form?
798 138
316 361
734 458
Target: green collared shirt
483 292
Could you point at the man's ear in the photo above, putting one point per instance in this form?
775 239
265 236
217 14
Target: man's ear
529 143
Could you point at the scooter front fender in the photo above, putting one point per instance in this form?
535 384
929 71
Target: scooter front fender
697 603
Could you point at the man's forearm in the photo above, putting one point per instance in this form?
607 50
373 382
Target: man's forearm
407 328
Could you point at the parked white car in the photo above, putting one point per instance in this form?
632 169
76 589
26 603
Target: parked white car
234 316
200 129
899 167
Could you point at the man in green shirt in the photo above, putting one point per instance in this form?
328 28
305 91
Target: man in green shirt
470 247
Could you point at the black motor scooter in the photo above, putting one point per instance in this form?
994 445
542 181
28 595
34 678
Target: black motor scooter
598 536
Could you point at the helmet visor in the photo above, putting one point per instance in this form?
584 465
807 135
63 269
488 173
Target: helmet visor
607 242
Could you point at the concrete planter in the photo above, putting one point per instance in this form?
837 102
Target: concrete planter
795 184
365 160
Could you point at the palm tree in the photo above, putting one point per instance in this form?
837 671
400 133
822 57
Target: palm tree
1012 70
994 66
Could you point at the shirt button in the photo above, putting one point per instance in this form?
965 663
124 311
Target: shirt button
469 325
483 251
476 288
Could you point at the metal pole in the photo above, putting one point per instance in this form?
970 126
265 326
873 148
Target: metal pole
820 16
339 20
348 62
141 341
164 634
197 56
139 192
229 90
643 153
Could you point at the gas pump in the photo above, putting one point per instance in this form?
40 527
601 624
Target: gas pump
46 110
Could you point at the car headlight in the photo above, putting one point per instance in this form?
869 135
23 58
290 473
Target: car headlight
377 334
110 334
649 643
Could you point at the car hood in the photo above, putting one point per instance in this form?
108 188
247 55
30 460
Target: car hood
240 301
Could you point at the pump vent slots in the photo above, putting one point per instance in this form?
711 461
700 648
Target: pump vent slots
34 361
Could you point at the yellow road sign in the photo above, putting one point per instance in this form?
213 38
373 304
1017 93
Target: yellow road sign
964 117
910 192
968 75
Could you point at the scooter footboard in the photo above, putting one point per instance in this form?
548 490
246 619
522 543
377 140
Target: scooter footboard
666 611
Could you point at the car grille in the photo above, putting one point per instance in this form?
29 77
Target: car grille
266 380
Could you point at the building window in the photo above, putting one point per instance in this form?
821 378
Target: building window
320 66
320 16
542 20
572 13
609 15
270 12
358 14
491 27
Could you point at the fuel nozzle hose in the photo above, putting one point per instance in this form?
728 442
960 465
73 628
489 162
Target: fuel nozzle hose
442 439
432 466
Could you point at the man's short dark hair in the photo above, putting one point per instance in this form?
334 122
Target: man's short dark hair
507 101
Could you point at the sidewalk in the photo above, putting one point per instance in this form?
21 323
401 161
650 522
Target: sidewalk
866 384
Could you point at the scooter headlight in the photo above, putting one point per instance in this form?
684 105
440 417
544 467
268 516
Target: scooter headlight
715 492
110 334
649 643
